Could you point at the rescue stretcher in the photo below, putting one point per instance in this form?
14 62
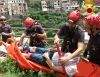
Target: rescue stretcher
85 68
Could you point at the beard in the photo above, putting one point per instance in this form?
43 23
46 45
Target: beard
72 29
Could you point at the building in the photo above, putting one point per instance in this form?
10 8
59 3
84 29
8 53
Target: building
13 7
3 6
18 7
63 5
44 6
69 5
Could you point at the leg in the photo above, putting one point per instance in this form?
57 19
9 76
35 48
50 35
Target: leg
40 50
27 56
38 58
51 64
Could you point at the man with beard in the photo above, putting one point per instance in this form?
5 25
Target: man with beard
73 37
5 30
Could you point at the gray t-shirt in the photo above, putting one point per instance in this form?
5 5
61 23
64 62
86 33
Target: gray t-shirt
71 38
35 41
6 29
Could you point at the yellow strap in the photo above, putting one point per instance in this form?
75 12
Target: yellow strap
51 71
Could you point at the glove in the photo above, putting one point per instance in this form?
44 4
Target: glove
85 53
26 48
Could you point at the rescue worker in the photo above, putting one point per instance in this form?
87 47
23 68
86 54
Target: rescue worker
73 37
35 31
5 29
92 27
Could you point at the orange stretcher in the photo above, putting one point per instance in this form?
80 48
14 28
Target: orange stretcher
85 68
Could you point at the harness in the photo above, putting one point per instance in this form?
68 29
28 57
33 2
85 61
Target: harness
34 40
68 45
94 49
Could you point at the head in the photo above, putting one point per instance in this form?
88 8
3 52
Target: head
3 20
73 19
92 23
29 23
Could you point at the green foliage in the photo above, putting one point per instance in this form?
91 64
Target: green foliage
9 68
35 5
18 32
97 11
50 33
46 19
16 24
7 65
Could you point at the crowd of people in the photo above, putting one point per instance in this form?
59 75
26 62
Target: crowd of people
72 45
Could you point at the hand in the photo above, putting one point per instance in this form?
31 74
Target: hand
85 53
63 60
19 44
3 33
57 40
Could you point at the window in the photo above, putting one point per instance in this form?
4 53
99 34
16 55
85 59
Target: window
19 4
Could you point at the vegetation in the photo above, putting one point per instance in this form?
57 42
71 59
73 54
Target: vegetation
9 68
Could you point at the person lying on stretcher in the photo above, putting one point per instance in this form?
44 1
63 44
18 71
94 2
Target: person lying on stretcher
50 57
71 67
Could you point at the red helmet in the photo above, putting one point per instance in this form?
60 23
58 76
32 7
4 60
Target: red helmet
29 22
2 18
74 16
93 20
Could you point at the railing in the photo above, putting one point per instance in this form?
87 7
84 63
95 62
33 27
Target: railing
22 28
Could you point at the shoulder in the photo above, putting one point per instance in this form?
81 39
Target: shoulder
64 26
8 25
80 29
26 30
38 27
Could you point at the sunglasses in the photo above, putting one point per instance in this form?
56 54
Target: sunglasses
3 20
71 21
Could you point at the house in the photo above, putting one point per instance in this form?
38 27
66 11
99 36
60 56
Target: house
13 7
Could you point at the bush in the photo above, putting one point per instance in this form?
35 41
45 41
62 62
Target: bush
16 24
50 33
9 68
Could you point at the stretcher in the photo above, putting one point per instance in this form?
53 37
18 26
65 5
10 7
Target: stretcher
85 68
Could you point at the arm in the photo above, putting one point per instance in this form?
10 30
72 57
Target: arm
74 54
78 51
22 38
59 33
8 34
42 35
56 39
